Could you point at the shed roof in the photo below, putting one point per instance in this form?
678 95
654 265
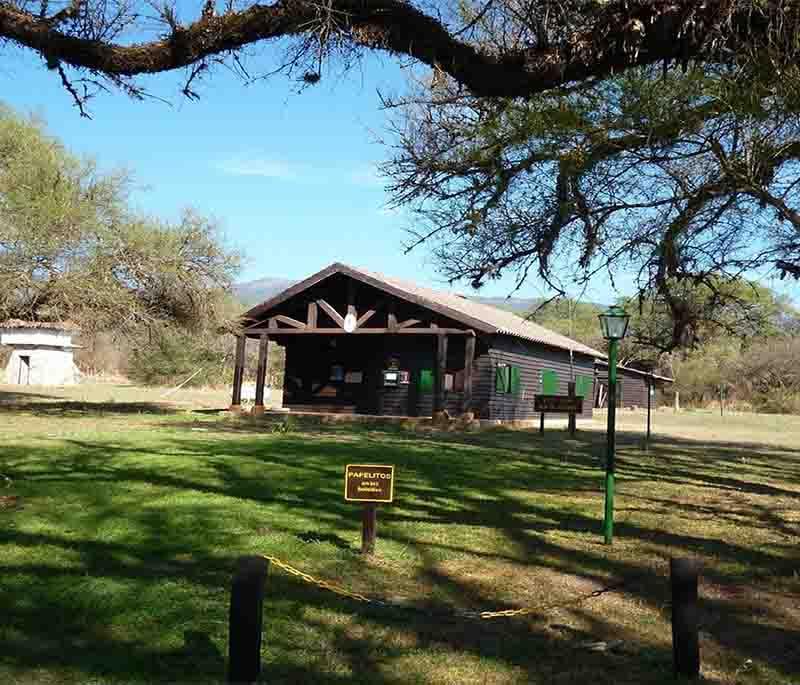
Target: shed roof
11 324
649 374
482 317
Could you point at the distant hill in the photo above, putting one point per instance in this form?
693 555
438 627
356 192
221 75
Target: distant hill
518 305
253 292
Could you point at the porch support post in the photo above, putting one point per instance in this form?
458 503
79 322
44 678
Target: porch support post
469 359
238 373
441 367
263 358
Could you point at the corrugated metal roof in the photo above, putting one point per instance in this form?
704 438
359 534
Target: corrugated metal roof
655 376
475 314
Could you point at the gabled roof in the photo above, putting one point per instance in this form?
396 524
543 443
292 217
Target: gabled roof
482 317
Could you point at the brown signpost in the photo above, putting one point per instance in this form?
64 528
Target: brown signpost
558 404
370 484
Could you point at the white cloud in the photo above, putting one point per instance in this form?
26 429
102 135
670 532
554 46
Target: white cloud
366 176
268 168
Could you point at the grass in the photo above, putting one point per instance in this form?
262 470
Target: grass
122 524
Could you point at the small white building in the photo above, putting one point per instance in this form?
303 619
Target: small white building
41 353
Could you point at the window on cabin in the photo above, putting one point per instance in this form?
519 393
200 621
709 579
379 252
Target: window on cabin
426 381
508 379
583 385
549 382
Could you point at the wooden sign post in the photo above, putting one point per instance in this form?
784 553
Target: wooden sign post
558 404
371 484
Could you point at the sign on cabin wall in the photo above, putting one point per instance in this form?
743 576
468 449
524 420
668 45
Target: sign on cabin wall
557 404
368 483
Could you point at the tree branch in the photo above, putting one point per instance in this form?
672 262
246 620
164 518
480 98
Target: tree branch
610 37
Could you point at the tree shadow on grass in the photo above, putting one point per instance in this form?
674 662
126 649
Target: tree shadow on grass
12 397
77 409
120 609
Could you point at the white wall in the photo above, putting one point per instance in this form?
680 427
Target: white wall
47 367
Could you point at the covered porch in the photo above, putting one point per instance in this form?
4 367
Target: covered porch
353 348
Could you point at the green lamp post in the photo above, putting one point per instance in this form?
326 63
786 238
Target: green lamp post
614 323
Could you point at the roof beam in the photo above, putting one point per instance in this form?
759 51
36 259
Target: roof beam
359 331
330 311
288 320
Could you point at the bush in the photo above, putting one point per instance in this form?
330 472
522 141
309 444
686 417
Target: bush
173 355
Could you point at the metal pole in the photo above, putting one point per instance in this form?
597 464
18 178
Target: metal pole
650 391
608 520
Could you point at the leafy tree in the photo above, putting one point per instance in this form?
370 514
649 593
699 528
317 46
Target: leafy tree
682 179
498 49
576 320
712 310
70 248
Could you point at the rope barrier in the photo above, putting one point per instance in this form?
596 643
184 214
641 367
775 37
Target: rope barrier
478 615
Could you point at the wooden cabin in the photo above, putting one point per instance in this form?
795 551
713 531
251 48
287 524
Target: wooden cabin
633 386
361 342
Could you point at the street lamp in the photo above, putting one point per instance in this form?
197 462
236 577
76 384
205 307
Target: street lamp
614 324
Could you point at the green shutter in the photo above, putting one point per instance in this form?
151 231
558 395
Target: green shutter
426 381
502 378
549 382
516 381
583 386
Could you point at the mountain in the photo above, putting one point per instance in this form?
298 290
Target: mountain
253 292
518 305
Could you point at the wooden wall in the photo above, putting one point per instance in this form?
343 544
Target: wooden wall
532 359
633 385
310 358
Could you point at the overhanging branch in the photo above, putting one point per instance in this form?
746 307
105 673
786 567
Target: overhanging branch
618 34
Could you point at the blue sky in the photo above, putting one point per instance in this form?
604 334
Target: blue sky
291 177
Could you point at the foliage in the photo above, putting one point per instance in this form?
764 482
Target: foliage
499 48
174 355
71 249
763 374
769 372
683 179
697 314
576 320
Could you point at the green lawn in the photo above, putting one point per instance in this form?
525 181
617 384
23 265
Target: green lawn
120 527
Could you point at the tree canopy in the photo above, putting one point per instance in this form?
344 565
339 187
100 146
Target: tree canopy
71 249
494 48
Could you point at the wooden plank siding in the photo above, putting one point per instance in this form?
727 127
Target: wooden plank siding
532 358
634 388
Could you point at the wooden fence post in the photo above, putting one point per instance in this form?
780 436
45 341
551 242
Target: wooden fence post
572 421
245 620
369 528
685 617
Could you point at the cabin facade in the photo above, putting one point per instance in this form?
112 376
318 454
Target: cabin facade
365 343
